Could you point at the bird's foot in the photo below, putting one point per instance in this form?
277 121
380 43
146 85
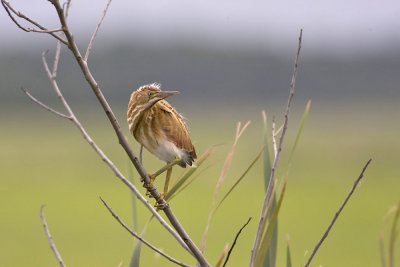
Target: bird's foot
149 185
161 204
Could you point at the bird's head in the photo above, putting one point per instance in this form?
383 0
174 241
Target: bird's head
150 94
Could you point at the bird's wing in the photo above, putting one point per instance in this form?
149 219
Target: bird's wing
174 127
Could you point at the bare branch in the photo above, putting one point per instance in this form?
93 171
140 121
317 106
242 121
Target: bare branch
10 11
97 149
62 12
92 39
234 241
335 217
276 159
124 142
34 99
140 238
50 238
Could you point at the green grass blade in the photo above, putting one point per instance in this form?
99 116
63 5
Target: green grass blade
190 181
266 155
303 121
267 161
393 236
265 243
240 178
222 256
135 257
288 255
189 172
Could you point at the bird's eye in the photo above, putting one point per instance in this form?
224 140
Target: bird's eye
149 93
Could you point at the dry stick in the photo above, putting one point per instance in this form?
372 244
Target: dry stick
9 9
91 42
276 159
140 238
71 116
357 181
50 238
70 43
123 141
234 241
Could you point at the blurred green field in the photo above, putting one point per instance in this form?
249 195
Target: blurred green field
44 160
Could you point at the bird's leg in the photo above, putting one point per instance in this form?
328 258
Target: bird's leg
163 169
167 181
141 154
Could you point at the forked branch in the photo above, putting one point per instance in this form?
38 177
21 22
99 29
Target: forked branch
40 29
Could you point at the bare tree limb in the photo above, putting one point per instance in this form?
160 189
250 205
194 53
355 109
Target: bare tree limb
123 141
50 238
10 11
276 159
92 39
101 154
336 216
180 234
139 237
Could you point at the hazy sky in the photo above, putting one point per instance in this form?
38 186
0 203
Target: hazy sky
343 26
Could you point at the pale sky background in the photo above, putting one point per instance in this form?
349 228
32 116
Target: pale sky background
341 26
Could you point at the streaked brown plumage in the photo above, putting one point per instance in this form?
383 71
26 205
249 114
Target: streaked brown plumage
158 126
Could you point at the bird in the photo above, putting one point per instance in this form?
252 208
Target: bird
160 128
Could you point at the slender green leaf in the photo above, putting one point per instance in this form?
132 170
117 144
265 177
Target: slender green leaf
264 245
288 256
393 236
266 154
240 178
135 257
303 121
189 172
190 181
222 256
271 254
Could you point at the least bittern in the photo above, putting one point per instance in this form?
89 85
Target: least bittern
158 127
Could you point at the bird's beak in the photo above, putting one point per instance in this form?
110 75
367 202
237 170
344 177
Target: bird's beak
165 94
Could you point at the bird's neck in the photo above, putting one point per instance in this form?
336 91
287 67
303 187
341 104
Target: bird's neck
137 113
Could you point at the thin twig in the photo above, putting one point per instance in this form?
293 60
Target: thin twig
34 99
335 217
140 238
234 241
10 11
92 39
267 196
50 238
